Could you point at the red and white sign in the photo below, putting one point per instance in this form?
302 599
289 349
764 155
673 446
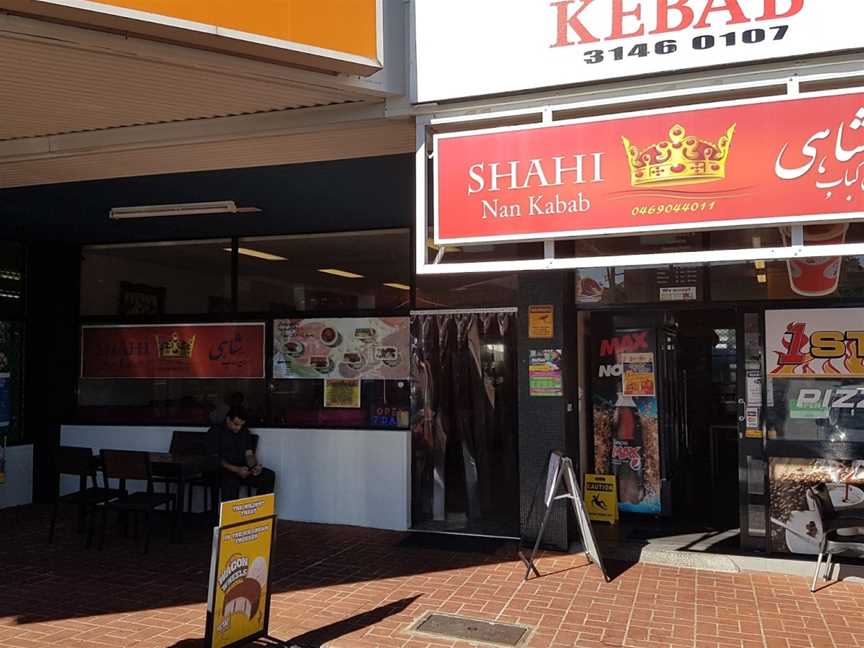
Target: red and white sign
815 343
173 351
480 47
744 164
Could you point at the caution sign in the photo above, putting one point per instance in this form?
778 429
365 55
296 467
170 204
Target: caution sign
601 498
238 603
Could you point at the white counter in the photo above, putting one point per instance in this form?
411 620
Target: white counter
357 477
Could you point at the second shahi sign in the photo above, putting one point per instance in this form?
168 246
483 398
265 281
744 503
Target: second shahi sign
173 351
740 164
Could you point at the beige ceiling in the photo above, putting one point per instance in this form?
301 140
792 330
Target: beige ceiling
51 88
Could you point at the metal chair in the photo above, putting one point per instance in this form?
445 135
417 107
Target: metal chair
80 462
131 464
832 543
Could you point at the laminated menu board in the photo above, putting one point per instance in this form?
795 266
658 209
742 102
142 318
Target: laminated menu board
367 348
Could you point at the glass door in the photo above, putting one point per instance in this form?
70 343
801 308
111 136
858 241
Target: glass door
752 487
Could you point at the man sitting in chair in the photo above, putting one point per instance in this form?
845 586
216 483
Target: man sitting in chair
231 441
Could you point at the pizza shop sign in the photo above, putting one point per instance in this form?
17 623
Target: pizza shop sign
527 45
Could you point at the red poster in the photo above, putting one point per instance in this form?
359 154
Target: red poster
173 351
734 164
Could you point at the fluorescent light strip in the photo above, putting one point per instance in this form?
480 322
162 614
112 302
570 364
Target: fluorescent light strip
181 209
257 254
398 286
340 273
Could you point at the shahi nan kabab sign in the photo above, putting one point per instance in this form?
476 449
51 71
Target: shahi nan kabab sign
757 162
680 160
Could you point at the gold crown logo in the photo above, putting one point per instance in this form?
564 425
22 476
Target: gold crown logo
680 160
174 348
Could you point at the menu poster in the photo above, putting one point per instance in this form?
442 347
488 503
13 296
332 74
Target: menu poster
368 348
638 374
341 393
544 372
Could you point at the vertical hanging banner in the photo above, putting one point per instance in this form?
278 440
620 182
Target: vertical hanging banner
238 602
626 434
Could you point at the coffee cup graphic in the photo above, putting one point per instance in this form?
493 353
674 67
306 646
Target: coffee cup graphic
816 276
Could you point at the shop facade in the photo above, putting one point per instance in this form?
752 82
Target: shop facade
165 255
679 190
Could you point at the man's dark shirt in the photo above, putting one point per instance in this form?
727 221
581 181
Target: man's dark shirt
230 446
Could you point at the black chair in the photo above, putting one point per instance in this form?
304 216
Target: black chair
131 464
832 521
80 462
184 444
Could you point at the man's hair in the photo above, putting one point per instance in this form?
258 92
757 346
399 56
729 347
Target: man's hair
237 412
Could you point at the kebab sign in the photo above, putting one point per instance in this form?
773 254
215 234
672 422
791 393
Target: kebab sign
238 603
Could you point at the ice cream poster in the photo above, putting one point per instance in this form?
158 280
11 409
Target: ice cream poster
238 605
369 348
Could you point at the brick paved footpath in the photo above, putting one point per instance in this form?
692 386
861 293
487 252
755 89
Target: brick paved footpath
347 587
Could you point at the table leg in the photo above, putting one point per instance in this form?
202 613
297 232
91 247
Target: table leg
178 508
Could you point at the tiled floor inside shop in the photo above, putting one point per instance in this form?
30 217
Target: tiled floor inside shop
351 587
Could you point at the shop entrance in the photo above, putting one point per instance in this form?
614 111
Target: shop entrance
465 469
664 415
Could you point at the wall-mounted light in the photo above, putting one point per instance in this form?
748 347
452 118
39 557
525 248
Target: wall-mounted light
179 209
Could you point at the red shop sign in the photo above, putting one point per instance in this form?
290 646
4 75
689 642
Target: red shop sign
173 351
736 164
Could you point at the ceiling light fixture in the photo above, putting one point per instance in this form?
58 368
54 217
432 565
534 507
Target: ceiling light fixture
257 254
340 273
398 286
179 209
761 278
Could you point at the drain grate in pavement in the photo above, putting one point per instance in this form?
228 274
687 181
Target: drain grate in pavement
473 630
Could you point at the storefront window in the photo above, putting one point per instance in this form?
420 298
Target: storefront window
383 404
156 279
175 401
345 272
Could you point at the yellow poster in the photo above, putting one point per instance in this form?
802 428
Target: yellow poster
541 321
238 603
342 393
243 510
601 498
